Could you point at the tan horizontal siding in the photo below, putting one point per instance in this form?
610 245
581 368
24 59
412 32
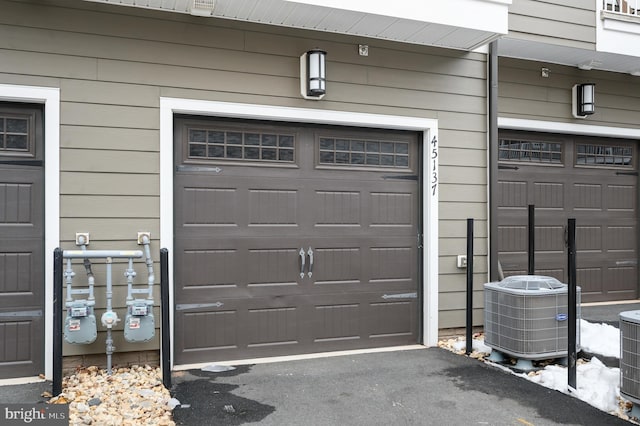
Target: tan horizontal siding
98 92
83 160
523 93
46 64
455 229
462 175
451 318
471 193
457 300
109 138
112 65
102 115
92 183
450 281
570 23
461 211
112 206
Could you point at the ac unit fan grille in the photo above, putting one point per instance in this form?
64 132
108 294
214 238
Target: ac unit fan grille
630 360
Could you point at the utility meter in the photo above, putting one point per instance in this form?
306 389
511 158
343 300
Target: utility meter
80 324
139 324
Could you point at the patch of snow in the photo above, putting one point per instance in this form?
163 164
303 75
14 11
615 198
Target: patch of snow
597 384
602 339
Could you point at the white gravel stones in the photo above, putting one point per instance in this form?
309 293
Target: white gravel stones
130 396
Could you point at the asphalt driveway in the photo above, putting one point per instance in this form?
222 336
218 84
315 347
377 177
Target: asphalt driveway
416 387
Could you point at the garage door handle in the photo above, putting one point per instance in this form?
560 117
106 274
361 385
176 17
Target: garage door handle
310 253
302 262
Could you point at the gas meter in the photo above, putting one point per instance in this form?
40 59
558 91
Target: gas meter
139 324
80 323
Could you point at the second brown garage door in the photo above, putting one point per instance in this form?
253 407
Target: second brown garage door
593 180
293 239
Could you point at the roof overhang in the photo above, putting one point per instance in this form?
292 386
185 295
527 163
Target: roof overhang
455 24
584 59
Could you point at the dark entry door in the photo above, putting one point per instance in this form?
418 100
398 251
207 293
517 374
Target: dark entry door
21 241
293 239
593 180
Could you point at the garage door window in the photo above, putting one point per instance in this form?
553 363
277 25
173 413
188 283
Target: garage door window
530 151
363 152
604 155
238 145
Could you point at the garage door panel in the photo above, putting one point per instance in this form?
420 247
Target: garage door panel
547 195
273 207
621 198
273 266
392 209
392 320
621 239
340 266
513 194
339 321
600 194
350 229
589 238
21 272
392 264
338 208
549 239
590 280
207 331
209 268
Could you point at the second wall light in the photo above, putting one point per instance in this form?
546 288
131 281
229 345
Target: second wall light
313 79
583 100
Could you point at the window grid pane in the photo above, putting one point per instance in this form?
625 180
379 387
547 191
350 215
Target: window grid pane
604 155
14 134
238 145
360 152
530 151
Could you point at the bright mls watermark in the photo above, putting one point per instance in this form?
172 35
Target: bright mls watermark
35 414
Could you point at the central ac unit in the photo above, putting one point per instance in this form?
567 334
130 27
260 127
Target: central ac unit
630 356
526 316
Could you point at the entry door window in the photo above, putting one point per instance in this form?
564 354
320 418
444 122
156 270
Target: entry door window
16 134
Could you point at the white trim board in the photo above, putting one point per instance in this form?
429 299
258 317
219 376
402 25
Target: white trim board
571 128
428 127
50 97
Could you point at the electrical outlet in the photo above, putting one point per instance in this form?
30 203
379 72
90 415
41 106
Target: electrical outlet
462 261
143 234
84 236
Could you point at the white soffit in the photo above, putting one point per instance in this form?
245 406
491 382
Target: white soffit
581 58
455 24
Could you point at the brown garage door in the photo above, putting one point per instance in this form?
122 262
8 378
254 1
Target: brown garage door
21 241
293 239
593 180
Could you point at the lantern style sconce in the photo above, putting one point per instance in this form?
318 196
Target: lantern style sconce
583 100
313 82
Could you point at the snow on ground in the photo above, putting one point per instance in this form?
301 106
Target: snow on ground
602 339
597 384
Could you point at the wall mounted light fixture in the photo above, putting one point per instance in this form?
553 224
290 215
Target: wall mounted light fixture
583 100
313 80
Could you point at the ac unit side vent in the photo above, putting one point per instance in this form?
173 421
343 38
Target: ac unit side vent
630 355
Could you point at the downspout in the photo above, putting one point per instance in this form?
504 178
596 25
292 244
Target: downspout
494 266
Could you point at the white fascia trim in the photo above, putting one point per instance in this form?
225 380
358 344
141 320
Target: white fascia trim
570 128
428 127
50 97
